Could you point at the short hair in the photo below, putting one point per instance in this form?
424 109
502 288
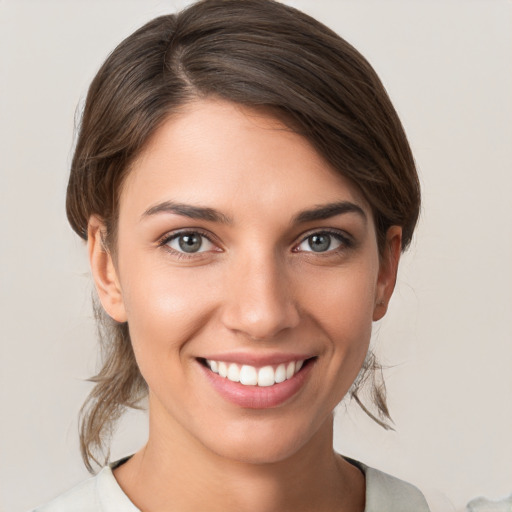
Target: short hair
256 53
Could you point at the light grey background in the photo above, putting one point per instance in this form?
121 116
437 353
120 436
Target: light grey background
448 336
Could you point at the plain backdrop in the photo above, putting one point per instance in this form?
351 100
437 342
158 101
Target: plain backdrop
447 338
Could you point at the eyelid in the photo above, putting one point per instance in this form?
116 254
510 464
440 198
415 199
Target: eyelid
346 240
172 235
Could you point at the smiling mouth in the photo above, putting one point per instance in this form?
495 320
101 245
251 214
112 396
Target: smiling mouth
247 375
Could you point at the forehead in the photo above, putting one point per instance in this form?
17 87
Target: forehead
232 157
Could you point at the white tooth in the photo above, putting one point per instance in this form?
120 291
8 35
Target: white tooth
248 375
280 373
266 376
223 369
298 366
233 372
214 366
290 370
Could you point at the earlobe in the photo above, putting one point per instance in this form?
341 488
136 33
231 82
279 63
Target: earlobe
387 271
104 272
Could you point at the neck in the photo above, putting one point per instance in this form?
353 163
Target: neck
176 472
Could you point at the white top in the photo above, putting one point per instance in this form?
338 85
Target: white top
384 493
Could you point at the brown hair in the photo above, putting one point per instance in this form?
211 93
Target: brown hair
258 53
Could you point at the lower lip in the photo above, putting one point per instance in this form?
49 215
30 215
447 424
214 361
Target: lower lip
256 397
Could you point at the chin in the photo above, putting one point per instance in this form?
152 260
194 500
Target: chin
270 443
247 452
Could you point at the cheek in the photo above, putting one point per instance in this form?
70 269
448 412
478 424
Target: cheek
165 309
343 306
346 298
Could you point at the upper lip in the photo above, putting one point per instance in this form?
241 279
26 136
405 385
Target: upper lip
258 360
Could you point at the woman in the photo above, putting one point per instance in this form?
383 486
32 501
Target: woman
245 188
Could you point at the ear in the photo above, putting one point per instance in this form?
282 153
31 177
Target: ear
388 268
104 272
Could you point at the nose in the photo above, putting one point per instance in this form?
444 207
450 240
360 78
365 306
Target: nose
259 299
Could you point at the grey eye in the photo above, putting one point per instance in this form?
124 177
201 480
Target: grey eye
320 242
190 243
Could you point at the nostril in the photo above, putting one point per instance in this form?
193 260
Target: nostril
259 305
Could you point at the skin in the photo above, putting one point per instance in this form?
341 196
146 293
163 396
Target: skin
256 288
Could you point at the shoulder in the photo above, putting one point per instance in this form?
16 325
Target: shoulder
97 494
386 493
82 498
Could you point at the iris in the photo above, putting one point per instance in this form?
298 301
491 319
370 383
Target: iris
319 243
190 243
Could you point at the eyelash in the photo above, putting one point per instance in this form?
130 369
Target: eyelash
345 240
178 254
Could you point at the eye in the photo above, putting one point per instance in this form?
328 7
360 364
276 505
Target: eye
323 242
189 242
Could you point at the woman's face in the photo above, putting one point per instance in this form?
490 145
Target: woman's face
242 256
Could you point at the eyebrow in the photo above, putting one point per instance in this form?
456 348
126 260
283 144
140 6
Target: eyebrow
320 212
188 210
326 211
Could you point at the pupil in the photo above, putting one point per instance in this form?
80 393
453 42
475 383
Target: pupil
320 243
190 243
